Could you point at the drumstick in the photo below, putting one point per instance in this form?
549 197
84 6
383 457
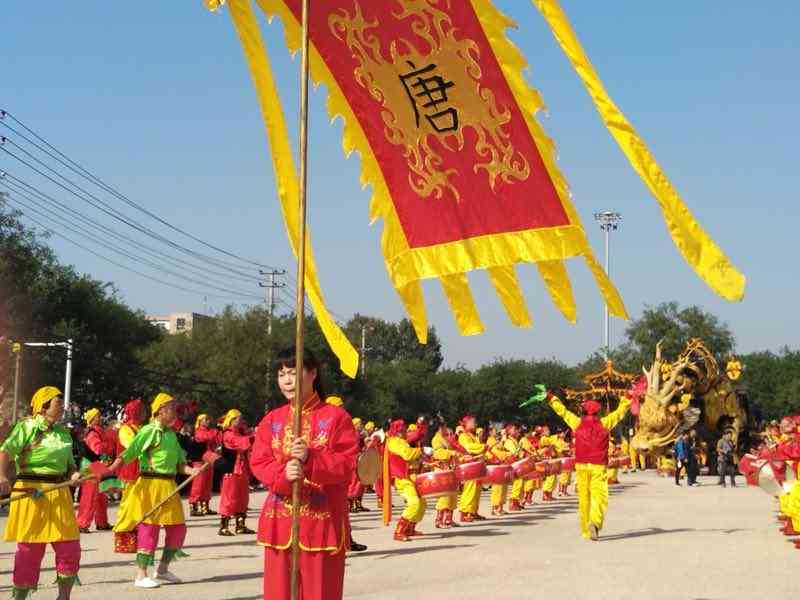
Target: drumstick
172 495
28 492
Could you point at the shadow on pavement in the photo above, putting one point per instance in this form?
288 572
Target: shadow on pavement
406 551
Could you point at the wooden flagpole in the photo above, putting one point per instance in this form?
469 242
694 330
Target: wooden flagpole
300 306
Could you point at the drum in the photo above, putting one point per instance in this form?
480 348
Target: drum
554 466
499 474
368 467
791 476
524 467
125 542
749 466
437 484
471 471
624 461
568 463
613 462
768 481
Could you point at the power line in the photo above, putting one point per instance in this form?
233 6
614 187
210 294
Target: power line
79 170
40 197
105 207
79 230
121 266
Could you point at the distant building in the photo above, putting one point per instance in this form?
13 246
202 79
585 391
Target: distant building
180 322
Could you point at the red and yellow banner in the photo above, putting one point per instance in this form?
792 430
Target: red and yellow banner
433 99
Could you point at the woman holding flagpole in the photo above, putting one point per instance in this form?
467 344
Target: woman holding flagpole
322 457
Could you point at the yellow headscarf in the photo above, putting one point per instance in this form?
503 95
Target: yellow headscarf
370 426
356 421
334 400
229 417
90 414
42 397
199 418
159 401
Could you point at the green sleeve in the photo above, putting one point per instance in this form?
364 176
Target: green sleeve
143 440
19 437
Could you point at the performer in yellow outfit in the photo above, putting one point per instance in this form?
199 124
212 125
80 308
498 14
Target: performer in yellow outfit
565 477
401 457
591 457
496 454
548 442
471 492
444 453
613 477
514 452
531 485
625 450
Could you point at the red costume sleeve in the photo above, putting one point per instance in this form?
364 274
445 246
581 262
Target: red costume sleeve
206 435
268 469
413 437
97 443
234 440
336 463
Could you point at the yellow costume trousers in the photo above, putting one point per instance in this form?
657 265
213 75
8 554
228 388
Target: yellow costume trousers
565 477
549 483
447 502
612 474
415 506
530 485
470 497
499 493
592 483
516 489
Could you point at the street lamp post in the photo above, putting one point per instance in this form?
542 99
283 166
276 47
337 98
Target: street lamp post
609 221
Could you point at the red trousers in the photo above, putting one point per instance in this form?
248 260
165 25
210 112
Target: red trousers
355 491
234 495
321 575
201 485
93 505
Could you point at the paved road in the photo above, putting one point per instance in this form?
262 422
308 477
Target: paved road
661 542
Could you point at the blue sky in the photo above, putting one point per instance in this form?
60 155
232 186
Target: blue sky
156 99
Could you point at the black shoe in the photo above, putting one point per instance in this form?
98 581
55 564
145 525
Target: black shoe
84 529
356 547
106 527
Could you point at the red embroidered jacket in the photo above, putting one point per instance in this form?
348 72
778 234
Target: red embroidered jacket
332 451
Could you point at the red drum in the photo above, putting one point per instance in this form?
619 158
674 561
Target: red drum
499 474
554 466
749 466
125 542
524 467
568 463
471 471
437 484
613 462
770 481
624 461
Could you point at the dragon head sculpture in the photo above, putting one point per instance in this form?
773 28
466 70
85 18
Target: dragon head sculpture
665 410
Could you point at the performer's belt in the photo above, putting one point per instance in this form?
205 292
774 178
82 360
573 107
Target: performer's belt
151 475
56 478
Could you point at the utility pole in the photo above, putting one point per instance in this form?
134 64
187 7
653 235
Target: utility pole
364 349
609 221
68 377
271 285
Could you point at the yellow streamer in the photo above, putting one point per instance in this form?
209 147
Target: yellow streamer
286 172
462 304
555 276
506 286
697 248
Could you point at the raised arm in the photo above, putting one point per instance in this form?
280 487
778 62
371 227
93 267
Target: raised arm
570 418
401 448
612 419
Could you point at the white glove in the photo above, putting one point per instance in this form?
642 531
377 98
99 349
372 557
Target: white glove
427 451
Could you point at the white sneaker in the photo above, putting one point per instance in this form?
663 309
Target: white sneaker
146 583
167 577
